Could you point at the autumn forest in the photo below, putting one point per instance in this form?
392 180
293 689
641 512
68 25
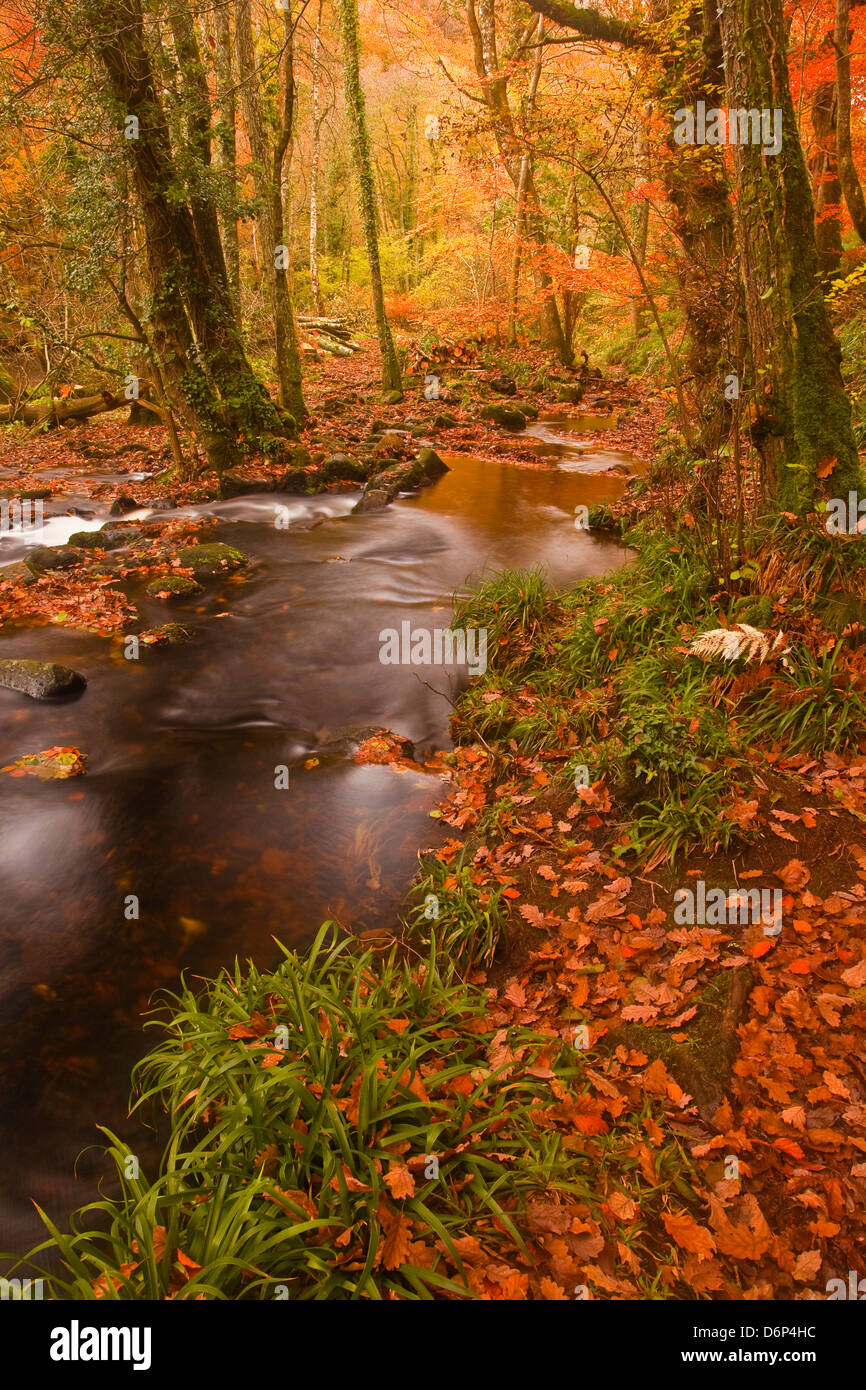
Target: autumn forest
433 660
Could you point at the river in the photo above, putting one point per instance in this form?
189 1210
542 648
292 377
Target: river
179 805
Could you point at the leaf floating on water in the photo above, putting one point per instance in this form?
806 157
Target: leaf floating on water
51 764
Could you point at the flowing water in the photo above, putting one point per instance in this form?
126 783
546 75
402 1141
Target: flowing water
179 806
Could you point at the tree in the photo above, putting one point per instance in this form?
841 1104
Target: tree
193 327
356 109
848 178
268 159
515 154
804 414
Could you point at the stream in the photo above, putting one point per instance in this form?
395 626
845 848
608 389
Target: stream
179 805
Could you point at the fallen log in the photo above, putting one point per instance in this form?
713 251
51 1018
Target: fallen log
59 409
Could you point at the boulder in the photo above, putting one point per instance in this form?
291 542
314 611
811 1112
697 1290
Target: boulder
570 395
170 586
446 420
61 557
526 408
392 397
106 539
17 573
343 468
505 416
503 385
391 446
214 558
404 477
41 680
122 505
236 485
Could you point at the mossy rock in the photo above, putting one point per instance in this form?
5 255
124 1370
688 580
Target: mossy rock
41 680
703 1063
168 634
26 494
19 572
392 397
570 395
601 518
526 408
173 586
504 415
446 421
343 468
96 540
48 557
214 558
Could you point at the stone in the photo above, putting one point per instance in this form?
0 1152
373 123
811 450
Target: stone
503 385
570 395
123 504
505 416
47 557
17 573
343 468
392 397
526 408
236 485
214 558
170 586
41 680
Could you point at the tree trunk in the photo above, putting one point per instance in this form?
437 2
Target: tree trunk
804 415
391 380
227 147
639 223
318 306
826 188
848 178
194 332
267 163
481 18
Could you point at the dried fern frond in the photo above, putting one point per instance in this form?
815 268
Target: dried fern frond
728 644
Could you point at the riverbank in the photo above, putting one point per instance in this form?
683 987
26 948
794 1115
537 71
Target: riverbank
622 1100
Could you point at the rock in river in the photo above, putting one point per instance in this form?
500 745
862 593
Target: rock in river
214 558
41 680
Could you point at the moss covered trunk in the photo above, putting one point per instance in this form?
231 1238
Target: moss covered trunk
194 331
355 106
804 415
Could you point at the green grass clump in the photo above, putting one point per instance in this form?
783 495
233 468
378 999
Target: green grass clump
465 918
307 1106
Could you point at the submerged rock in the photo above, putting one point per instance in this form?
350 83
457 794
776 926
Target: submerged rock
214 558
41 680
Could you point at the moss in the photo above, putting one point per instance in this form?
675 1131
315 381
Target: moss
173 586
702 1064
211 559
